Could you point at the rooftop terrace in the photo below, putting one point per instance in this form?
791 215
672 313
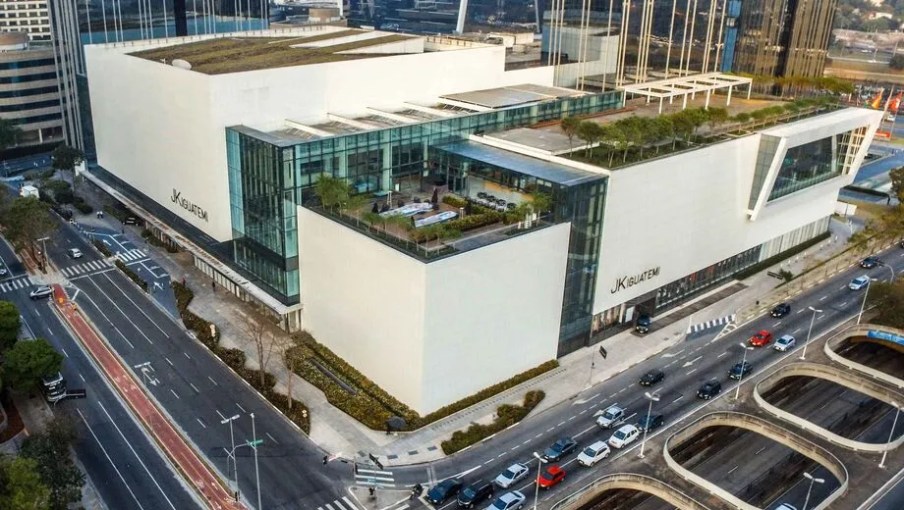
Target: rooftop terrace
237 54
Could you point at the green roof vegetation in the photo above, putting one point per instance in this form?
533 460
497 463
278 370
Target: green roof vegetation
239 54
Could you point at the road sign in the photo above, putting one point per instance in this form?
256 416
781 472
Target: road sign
255 443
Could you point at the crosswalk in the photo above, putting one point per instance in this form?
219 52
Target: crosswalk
131 255
15 284
703 326
340 504
85 268
374 478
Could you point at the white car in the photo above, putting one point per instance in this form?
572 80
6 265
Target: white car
612 416
511 475
594 453
74 253
784 343
624 436
508 501
859 282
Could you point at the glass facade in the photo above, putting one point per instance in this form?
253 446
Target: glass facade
766 153
269 176
806 165
675 292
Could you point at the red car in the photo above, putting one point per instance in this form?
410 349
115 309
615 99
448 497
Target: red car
551 476
761 338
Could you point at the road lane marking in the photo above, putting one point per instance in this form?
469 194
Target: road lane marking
121 311
271 438
82 378
760 451
64 352
128 487
560 424
573 417
211 380
677 399
723 354
823 298
148 317
691 372
194 387
732 470
581 433
796 331
174 393
170 362
222 416
777 324
201 422
802 310
843 304
186 354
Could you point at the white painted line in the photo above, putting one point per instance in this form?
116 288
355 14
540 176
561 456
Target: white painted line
560 424
128 487
222 416
374 471
244 411
581 433
201 422
275 441
168 361
211 380
802 310
174 393
823 298
723 354
677 399
796 331
537 436
777 324
64 352
843 304
82 378
194 387
691 372
186 354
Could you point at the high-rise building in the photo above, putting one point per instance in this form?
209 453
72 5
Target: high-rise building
783 37
29 16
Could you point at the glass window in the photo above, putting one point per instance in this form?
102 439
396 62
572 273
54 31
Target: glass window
806 165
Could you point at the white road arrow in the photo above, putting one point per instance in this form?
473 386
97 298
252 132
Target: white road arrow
691 362
672 354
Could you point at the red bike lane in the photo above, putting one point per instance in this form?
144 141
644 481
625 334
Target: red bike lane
195 470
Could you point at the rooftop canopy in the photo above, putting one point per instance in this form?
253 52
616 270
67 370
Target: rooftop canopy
514 95
518 163
685 86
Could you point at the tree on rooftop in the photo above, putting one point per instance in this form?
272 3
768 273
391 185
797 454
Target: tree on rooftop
716 117
590 133
570 127
664 129
331 191
540 203
615 138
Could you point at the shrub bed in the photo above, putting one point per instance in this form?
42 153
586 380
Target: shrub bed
235 359
132 275
475 221
506 416
454 201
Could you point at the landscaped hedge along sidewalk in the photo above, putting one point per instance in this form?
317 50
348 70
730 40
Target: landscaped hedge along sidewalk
506 416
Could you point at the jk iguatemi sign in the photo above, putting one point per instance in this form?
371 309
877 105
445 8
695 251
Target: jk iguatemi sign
188 206
628 281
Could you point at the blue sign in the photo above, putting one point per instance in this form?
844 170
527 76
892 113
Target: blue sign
884 335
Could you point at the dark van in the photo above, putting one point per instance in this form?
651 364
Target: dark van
643 324
474 493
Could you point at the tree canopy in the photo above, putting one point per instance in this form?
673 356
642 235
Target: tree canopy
27 219
21 487
65 157
9 325
28 361
9 133
51 449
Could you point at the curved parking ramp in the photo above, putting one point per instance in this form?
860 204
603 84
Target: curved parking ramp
765 429
628 481
840 377
892 338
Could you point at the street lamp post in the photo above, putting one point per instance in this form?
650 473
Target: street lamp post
741 375
257 473
235 467
891 433
652 398
803 354
540 463
813 480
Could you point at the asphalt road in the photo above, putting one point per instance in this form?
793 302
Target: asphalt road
127 469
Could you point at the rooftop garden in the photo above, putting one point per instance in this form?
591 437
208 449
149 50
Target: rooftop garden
637 138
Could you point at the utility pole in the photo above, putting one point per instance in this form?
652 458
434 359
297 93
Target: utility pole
257 474
235 467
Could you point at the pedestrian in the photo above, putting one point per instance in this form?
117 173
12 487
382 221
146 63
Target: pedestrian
213 285
325 460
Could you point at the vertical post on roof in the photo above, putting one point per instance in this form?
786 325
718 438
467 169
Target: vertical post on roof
687 9
462 12
608 45
690 40
710 18
668 51
660 105
706 105
728 101
717 64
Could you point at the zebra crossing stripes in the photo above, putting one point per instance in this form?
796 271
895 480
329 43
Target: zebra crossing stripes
703 326
374 478
131 255
15 284
340 504
84 268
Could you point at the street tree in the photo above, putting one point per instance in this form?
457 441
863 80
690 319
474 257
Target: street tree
888 300
66 158
9 133
51 449
897 180
28 361
264 343
21 487
9 325
27 220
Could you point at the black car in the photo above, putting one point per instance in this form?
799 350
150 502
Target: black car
643 324
444 490
561 448
650 422
740 370
652 377
870 262
474 493
781 310
709 389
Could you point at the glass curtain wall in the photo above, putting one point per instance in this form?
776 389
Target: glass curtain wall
807 165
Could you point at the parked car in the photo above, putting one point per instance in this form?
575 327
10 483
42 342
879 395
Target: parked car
611 417
41 292
781 310
870 262
511 475
739 370
624 436
643 324
859 282
650 422
594 453
74 253
761 338
508 501
709 389
444 490
551 476
784 343
560 449
652 377
474 493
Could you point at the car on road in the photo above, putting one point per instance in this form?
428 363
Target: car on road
593 454
643 324
551 476
650 422
859 282
508 501
624 436
709 389
740 370
474 493
439 493
784 343
786 506
511 475
612 416
562 447
781 310
652 377
74 253
41 292
761 338
870 262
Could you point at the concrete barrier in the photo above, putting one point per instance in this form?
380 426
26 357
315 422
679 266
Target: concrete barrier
861 330
630 481
766 429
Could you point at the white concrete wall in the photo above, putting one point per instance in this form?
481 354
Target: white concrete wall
431 334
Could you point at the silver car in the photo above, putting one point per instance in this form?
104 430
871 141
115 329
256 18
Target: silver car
508 501
784 343
511 475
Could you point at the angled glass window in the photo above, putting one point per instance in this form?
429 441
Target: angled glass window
806 165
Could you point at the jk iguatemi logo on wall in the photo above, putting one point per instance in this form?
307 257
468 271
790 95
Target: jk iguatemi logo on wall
188 206
626 282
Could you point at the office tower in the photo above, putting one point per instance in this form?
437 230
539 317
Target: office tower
783 38
28 16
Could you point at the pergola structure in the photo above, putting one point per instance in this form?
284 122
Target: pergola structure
685 86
